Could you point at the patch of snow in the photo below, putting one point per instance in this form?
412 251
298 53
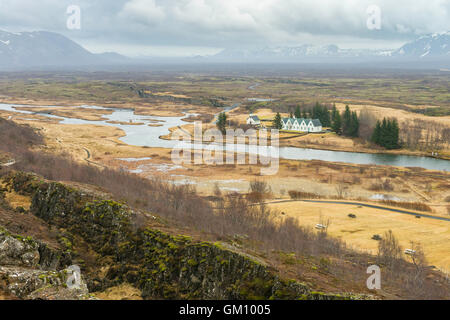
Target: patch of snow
425 54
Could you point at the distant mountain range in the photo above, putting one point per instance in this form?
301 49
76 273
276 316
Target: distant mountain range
40 50
435 46
299 53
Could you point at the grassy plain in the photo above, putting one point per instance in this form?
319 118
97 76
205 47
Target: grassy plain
433 235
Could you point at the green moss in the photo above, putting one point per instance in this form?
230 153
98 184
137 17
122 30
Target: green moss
162 267
66 243
192 262
288 258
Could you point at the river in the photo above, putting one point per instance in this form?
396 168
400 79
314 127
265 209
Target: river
144 135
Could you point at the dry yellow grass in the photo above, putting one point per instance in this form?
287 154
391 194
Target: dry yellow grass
122 292
401 115
68 112
167 94
15 200
434 235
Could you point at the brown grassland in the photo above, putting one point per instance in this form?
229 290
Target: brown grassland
101 147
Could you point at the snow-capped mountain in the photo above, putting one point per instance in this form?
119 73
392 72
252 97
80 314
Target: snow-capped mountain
280 52
40 49
433 45
298 53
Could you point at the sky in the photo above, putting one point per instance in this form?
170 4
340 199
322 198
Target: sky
202 27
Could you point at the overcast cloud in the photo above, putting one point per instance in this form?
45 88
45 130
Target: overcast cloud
185 27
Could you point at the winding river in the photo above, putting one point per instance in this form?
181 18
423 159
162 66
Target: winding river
145 135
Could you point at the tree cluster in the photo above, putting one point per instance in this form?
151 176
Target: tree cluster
346 124
386 134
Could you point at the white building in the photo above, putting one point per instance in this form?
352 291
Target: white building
253 120
302 125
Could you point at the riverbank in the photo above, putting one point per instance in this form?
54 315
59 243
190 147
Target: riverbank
332 142
322 141
315 141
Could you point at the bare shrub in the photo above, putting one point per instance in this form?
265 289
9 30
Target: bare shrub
425 135
205 118
341 190
258 191
418 206
217 191
237 125
297 195
367 122
389 251
381 185
415 279
16 137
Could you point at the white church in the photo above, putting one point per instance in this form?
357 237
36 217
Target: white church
292 124
302 125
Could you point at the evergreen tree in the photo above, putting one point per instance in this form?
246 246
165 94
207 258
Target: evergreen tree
222 122
298 112
336 125
326 117
347 122
277 123
322 113
354 125
384 133
376 136
395 134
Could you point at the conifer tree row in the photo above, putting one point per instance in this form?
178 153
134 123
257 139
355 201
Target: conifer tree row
386 134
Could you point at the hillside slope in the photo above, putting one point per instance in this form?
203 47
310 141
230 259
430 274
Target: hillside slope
160 265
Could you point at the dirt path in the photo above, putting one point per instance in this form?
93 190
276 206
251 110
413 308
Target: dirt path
414 189
92 162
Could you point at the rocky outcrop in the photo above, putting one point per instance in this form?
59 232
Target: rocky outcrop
160 265
27 270
35 284
25 252
17 251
